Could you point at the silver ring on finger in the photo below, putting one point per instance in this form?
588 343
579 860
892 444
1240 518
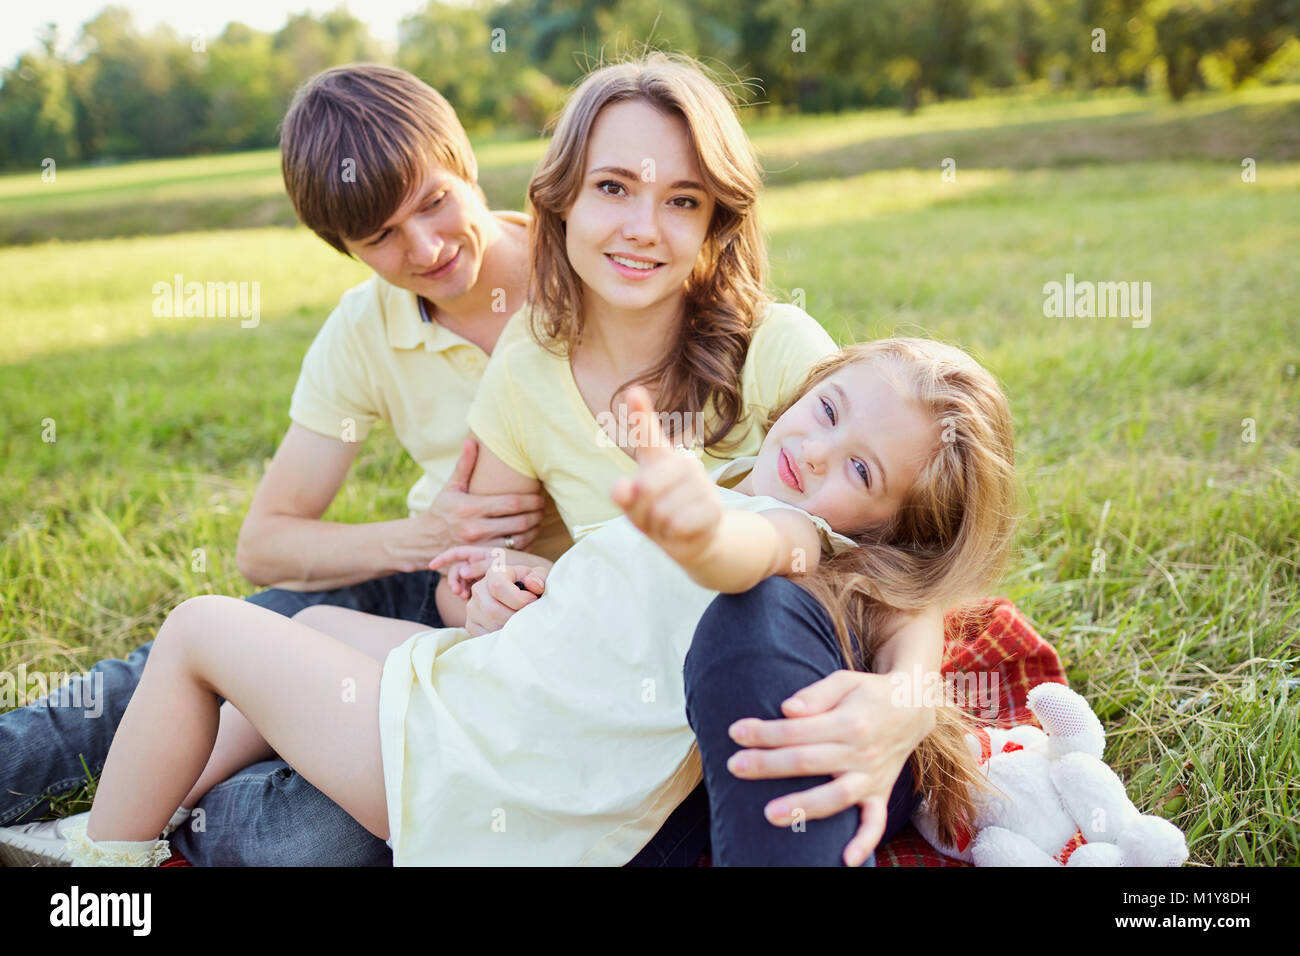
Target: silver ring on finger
510 541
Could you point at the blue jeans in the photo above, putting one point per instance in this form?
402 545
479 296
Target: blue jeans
750 652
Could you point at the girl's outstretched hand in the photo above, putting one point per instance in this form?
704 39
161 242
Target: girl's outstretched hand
671 498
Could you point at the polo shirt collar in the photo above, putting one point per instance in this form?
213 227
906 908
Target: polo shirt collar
407 328
406 324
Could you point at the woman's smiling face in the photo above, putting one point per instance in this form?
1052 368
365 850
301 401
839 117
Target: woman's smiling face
641 215
847 451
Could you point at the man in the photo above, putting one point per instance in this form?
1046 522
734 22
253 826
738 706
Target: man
378 165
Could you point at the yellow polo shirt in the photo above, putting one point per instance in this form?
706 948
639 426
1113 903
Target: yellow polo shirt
377 359
529 412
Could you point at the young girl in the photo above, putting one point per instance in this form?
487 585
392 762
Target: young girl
562 737
781 649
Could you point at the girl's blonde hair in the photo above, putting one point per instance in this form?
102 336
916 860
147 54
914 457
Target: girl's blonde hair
724 292
946 544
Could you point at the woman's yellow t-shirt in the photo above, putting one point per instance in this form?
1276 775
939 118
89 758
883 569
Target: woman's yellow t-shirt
529 412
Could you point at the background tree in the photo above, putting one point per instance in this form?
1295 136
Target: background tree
505 64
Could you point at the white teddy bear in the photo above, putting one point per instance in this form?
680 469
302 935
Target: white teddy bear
1056 787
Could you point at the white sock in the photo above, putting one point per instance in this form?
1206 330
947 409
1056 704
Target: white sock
87 852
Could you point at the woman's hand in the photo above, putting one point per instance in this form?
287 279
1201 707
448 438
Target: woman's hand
497 596
671 498
846 725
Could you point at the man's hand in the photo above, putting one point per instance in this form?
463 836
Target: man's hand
671 498
846 725
458 517
497 596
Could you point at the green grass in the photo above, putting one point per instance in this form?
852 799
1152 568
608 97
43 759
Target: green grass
1130 441
1014 131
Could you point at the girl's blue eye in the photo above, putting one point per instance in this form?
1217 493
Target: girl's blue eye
858 466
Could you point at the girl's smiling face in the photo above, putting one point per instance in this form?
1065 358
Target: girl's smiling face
641 215
847 451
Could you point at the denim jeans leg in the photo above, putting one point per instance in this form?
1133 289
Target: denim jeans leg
683 838
269 815
407 597
750 652
43 744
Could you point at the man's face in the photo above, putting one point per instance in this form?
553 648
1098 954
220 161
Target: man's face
434 244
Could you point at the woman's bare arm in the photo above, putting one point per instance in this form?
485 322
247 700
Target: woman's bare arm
492 476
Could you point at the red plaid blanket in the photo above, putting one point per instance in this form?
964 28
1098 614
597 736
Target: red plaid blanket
995 637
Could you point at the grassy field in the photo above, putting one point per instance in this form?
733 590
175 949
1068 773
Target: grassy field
1160 465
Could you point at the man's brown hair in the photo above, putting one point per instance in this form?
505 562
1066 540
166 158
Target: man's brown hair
357 140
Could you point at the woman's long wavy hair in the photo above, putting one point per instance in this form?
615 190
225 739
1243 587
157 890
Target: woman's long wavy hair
725 296
946 544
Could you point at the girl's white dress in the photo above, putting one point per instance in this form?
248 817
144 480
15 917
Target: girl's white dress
562 738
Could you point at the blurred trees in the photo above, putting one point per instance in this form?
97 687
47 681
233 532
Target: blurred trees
37 116
464 53
118 92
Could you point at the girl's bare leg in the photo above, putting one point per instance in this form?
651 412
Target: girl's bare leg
238 745
314 699
238 742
